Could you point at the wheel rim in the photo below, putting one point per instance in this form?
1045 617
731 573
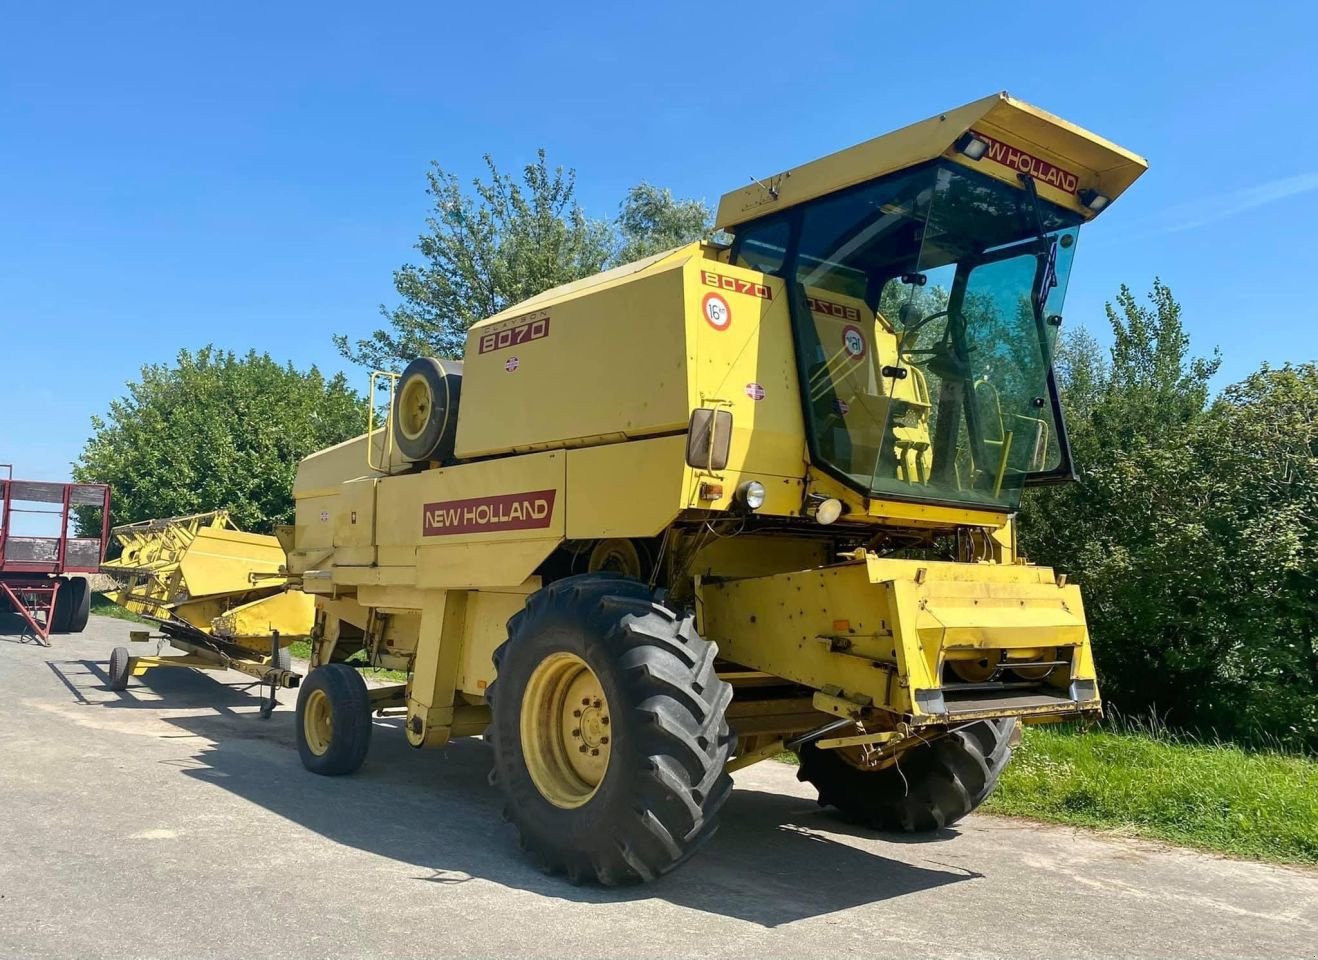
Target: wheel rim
414 405
976 671
318 722
566 733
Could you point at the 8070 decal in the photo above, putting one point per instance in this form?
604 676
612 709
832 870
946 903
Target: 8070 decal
534 327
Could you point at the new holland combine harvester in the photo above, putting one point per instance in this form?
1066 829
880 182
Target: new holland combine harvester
678 517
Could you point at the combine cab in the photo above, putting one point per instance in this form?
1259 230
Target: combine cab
678 517
216 593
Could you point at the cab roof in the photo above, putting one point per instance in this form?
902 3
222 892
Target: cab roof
1064 159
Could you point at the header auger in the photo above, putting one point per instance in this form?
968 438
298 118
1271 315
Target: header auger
677 517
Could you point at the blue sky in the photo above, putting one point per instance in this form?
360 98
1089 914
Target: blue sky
173 174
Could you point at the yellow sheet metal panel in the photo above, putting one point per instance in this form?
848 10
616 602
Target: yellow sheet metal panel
222 561
632 489
1025 139
488 612
353 516
607 366
251 624
474 524
738 321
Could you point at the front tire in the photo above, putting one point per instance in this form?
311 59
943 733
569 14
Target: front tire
333 720
608 728
930 786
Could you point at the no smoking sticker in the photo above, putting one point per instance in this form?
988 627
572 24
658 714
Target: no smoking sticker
511 364
755 391
853 341
716 311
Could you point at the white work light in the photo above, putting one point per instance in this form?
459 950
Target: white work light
971 146
1093 199
751 494
828 511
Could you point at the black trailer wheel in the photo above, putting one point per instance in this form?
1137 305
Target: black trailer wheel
80 604
333 720
609 732
72 606
931 786
121 668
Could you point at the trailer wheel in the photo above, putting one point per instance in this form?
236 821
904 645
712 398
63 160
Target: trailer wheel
609 732
931 786
333 720
121 668
80 604
72 606
425 410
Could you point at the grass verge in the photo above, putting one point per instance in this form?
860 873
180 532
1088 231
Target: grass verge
1218 797
302 650
105 607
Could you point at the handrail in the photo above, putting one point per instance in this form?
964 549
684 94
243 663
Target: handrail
378 379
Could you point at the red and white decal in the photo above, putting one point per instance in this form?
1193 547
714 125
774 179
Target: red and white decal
735 285
828 308
509 511
717 312
853 342
1019 160
511 364
755 391
520 330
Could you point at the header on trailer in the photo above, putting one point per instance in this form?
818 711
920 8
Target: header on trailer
998 135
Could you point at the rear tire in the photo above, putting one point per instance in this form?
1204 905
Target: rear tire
658 790
121 668
80 605
333 720
72 606
930 787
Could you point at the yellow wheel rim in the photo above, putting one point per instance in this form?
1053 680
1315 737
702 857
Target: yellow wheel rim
566 732
414 405
318 722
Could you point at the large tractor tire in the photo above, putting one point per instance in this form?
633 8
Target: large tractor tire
608 728
333 720
931 786
72 606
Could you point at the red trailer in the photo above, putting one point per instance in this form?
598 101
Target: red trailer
39 571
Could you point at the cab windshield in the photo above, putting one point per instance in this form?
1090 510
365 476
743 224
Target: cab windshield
925 307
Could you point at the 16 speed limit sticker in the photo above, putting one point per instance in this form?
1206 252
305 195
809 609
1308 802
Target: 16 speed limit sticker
716 310
853 341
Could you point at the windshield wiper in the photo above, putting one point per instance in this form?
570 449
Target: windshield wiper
1049 278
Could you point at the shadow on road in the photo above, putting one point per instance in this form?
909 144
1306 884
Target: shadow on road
435 810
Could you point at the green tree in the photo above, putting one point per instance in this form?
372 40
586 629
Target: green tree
652 221
503 241
216 431
1192 529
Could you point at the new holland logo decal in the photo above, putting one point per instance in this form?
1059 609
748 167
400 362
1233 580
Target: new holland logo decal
509 511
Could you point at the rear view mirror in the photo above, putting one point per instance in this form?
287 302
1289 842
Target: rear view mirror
708 439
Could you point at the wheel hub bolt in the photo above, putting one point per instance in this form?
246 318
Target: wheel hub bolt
576 732
605 719
582 748
576 713
594 753
604 740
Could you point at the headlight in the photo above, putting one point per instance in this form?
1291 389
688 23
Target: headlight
751 494
828 511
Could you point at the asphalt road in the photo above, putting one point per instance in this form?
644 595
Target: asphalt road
170 821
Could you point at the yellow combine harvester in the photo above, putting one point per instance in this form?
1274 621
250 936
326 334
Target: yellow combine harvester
218 594
731 500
